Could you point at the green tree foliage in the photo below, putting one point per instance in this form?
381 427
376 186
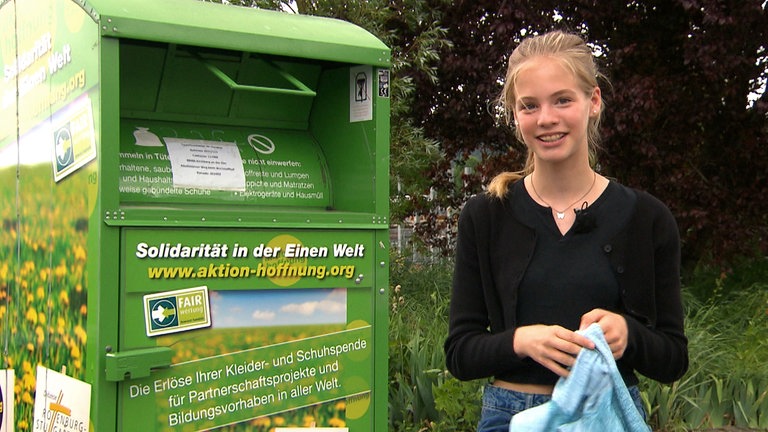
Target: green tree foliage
680 119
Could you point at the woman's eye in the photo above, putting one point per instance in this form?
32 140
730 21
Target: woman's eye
563 100
527 107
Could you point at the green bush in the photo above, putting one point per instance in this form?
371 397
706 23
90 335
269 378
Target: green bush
726 384
422 394
727 381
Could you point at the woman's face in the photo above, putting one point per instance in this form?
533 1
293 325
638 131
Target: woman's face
552 112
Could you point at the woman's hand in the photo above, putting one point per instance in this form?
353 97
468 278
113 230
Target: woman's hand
553 347
614 328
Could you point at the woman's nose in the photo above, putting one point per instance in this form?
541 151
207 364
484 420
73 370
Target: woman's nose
547 115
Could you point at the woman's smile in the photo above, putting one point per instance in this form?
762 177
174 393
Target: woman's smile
551 138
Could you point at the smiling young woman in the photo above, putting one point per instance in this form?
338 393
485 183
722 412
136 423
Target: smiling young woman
538 260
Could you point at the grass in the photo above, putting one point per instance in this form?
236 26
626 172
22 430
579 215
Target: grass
726 385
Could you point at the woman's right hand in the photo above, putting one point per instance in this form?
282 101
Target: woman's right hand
553 347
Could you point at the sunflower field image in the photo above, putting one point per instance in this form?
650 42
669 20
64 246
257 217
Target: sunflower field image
43 285
47 146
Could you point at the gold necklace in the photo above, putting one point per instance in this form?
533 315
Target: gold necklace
561 214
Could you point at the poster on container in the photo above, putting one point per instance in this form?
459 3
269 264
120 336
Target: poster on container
62 403
288 342
49 129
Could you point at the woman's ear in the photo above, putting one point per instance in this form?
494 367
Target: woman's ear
595 102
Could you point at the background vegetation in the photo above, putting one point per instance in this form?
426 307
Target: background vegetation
686 120
685 117
726 385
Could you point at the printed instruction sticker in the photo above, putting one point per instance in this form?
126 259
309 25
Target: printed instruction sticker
176 311
7 381
62 403
360 101
383 83
205 164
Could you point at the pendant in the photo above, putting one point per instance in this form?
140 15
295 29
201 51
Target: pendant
560 215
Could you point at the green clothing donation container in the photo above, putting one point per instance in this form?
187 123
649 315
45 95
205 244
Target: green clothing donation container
195 219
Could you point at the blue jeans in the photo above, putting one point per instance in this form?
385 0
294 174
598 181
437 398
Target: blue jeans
499 405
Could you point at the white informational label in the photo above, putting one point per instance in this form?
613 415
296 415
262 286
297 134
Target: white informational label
205 164
360 100
7 381
62 403
180 310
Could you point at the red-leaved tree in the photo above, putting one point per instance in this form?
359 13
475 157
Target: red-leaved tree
686 116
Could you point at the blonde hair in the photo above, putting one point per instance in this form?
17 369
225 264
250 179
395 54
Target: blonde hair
574 54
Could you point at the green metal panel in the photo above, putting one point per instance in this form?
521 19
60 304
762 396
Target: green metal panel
103 301
180 82
134 90
203 24
351 162
290 101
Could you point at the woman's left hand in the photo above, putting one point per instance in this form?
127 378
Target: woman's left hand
614 328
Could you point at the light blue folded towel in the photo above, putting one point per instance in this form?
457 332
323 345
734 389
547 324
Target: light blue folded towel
592 398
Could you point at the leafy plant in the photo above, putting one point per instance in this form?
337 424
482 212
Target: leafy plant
726 385
458 403
727 379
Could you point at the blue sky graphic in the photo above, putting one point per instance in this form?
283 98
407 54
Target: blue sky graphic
258 308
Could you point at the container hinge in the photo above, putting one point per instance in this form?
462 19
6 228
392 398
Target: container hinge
136 363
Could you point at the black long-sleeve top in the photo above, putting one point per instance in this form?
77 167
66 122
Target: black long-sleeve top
493 251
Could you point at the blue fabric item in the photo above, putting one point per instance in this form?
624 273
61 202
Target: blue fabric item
592 398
